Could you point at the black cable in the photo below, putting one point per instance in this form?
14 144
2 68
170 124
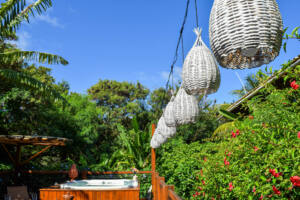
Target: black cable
182 50
196 10
178 43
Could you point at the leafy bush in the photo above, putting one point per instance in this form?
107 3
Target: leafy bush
255 161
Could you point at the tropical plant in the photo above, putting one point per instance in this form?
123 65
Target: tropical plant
134 148
12 14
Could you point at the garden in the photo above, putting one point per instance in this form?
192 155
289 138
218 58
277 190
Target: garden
246 149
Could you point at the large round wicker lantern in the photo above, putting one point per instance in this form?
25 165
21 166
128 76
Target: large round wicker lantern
169 114
200 72
185 108
245 33
164 130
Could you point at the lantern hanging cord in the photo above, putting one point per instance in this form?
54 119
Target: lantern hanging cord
196 11
178 43
182 50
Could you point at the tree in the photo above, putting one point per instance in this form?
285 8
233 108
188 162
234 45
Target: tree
12 14
120 101
251 83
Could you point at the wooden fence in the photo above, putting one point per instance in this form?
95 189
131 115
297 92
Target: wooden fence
162 191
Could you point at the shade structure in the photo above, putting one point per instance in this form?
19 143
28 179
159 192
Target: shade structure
165 130
169 114
185 107
245 33
200 72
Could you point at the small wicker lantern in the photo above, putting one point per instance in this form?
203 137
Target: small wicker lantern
164 130
245 33
169 114
200 72
185 107
157 139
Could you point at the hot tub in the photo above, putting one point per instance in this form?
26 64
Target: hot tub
95 189
96 184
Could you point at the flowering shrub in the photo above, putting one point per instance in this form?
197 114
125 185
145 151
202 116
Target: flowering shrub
259 160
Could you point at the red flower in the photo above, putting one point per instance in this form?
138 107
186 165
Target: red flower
252 131
197 193
213 198
254 189
233 135
229 154
299 135
276 191
273 172
200 188
261 197
251 117
294 85
237 132
203 182
205 159
256 149
226 162
230 186
295 181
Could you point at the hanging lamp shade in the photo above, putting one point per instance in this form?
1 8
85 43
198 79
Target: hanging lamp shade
245 33
200 72
164 130
185 108
169 114
157 139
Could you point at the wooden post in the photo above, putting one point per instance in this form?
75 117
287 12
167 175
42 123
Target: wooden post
153 167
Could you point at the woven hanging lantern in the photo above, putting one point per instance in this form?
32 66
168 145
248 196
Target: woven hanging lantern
185 108
169 114
245 33
200 72
164 130
157 139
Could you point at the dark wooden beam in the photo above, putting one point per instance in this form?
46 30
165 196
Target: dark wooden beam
9 155
35 155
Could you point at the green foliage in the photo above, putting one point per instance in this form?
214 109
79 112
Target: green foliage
266 140
294 35
134 148
228 114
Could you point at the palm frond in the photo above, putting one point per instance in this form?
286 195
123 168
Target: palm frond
39 6
27 81
17 56
9 10
13 12
224 128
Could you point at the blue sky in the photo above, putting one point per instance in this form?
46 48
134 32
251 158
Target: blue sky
131 40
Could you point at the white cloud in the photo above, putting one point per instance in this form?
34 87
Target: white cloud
176 74
23 41
51 20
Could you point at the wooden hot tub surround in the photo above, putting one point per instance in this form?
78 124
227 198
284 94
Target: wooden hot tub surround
101 194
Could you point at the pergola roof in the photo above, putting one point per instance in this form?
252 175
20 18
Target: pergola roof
32 140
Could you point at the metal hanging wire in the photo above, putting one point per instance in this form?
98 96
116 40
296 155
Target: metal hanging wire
196 12
178 43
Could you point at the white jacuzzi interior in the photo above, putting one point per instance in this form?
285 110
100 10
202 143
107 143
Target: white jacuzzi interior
100 184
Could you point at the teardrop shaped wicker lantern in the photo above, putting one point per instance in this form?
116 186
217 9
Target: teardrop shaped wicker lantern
200 72
169 114
164 130
157 139
245 33
185 107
